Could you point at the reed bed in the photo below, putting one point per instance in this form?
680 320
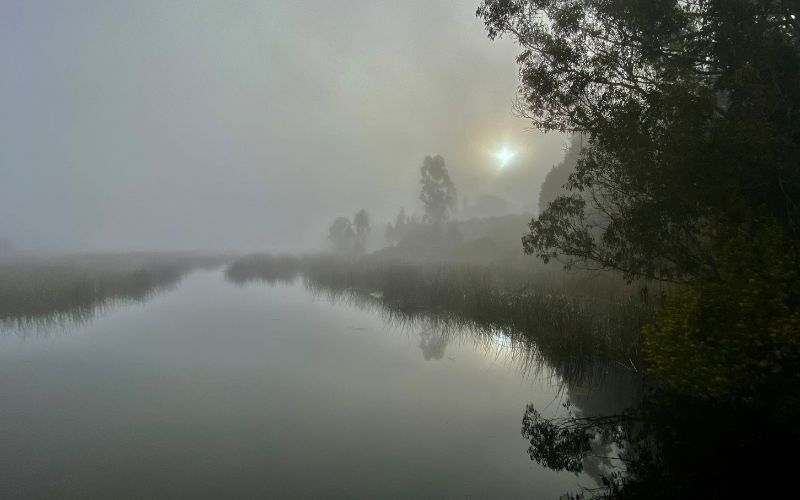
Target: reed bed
573 323
44 292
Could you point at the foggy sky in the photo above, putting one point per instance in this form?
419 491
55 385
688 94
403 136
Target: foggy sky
246 125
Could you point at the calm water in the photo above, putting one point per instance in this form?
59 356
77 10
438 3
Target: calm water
214 390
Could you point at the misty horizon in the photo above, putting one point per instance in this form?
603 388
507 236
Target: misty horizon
424 249
247 125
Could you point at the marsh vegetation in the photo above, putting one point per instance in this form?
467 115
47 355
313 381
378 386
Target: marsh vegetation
638 306
286 359
42 292
574 322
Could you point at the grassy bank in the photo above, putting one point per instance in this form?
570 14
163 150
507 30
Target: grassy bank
41 291
574 322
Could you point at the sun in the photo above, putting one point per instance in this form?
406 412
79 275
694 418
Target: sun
504 156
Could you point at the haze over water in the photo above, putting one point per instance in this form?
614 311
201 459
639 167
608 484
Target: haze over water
418 249
217 390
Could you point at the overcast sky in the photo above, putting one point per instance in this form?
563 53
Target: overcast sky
246 125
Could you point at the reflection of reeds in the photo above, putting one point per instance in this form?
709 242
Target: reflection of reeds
43 294
263 267
544 319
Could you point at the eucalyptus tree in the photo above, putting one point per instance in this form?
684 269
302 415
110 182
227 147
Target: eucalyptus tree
341 234
438 193
362 229
692 115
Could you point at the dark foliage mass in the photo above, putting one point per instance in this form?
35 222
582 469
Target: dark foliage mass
690 174
342 235
691 114
670 446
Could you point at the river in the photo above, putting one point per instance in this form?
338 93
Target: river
267 391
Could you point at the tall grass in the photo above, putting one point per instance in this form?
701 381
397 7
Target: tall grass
573 323
43 292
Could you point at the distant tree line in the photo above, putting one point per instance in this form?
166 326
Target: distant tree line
350 236
440 202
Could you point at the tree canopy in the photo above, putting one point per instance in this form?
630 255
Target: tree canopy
362 228
692 113
438 192
341 234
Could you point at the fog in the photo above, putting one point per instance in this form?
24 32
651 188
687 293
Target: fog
307 249
246 125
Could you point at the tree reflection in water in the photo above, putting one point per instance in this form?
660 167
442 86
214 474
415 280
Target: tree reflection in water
670 446
593 437
635 441
432 343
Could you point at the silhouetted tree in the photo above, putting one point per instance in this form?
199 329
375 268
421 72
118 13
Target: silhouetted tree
690 172
395 233
361 224
342 235
438 193
692 111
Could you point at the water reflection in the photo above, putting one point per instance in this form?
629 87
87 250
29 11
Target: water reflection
563 339
43 295
280 269
247 391
530 341
596 434
610 401
432 343
538 348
